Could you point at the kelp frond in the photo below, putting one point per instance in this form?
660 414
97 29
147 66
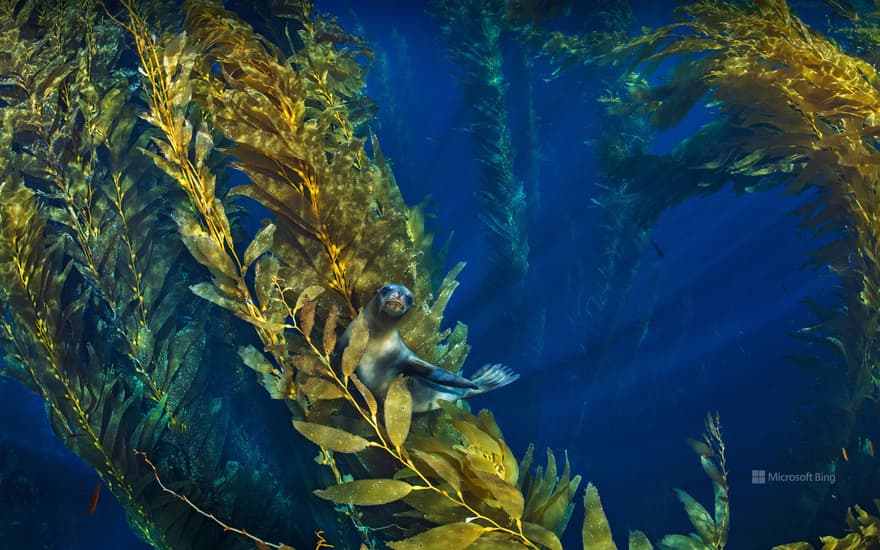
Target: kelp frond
459 481
339 223
711 532
472 31
864 533
711 529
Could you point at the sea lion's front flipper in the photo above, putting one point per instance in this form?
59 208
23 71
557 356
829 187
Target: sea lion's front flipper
413 365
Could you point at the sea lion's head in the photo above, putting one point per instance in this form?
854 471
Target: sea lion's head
394 300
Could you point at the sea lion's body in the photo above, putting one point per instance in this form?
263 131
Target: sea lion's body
386 357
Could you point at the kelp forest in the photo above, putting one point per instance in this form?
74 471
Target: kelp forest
196 208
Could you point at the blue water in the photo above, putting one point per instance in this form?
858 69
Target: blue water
706 327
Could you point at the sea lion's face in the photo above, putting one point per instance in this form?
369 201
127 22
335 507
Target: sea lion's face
394 300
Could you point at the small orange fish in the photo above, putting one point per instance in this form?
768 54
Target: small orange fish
870 446
75 436
94 503
843 451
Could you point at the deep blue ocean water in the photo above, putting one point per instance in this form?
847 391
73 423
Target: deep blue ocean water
707 326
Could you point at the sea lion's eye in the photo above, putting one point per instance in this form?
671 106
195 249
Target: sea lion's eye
409 299
385 290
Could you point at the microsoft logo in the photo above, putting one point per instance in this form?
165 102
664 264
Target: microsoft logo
759 477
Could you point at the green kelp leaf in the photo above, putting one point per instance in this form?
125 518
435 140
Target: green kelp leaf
722 513
372 405
265 275
329 339
537 533
208 291
253 358
442 467
596 532
681 542
712 470
700 447
366 492
357 344
453 536
262 242
699 516
331 438
207 252
398 411
795 546
638 541
307 317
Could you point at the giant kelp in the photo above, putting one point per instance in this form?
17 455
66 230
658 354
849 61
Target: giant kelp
339 224
712 529
473 31
796 108
864 532
96 320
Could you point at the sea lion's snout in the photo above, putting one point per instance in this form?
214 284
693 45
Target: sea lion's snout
395 299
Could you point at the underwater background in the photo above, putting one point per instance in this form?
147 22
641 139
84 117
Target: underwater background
648 240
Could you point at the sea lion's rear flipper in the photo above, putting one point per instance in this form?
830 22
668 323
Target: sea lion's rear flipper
413 365
490 377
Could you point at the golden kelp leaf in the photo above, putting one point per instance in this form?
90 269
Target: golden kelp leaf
478 437
329 340
638 541
535 532
435 507
596 532
253 358
307 317
360 335
372 405
441 467
366 492
203 145
496 543
331 438
795 546
309 294
398 411
453 536
309 365
509 498
319 388
262 242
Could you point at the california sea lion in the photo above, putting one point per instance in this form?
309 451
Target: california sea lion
386 357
